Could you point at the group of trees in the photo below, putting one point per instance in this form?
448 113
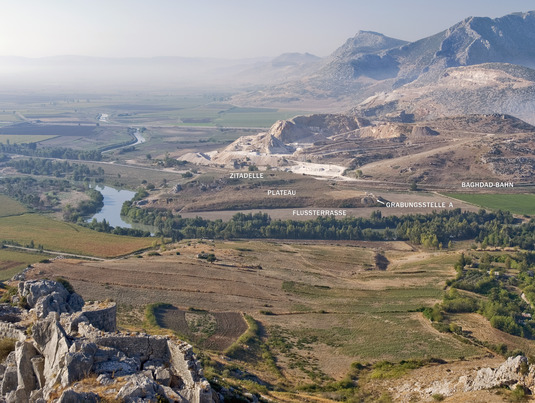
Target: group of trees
500 302
58 169
36 194
31 149
104 226
84 208
433 230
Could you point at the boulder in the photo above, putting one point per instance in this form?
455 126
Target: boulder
38 365
49 296
10 381
507 374
75 301
76 366
53 343
70 396
26 379
34 289
163 376
139 388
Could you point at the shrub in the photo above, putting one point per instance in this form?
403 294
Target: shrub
68 286
6 346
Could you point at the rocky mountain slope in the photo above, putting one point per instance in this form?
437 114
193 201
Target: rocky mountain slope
69 352
370 62
484 88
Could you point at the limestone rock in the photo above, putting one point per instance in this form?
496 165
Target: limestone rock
507 374
34 289
70 396
139 388
52 341
26 379
49 296
75 301
10 381
76 366
163 376
52 358
38 365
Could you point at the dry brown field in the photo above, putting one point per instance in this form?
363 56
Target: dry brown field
321 305
210 331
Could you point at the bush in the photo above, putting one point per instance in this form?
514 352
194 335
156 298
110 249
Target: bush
7 345
68 286
506 324
434 314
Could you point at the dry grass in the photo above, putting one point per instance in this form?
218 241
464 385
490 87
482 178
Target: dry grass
66 237
13 261
314 300
481 329
9 207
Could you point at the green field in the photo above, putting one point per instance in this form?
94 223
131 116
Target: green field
515 203
20 139
66 237
13 261
9 207
215 115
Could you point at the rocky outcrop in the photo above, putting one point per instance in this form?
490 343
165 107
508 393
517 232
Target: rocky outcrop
65 358
315 127
102 315
515 371
49 296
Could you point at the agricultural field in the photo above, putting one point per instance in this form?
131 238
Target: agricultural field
214 331
176 141
147 110
202 113
66 237
20 139
31 129
9 207
13 261
313 300
515 203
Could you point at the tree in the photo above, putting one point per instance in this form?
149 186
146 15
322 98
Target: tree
211 258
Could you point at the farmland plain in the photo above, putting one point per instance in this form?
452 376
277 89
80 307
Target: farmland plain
515 203
65 237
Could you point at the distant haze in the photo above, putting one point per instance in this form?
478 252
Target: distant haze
222 28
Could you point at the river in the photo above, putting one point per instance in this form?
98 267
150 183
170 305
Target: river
113 202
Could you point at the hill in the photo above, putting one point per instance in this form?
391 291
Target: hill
371 62
441 152
485 88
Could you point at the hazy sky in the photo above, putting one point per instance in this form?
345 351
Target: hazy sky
222 28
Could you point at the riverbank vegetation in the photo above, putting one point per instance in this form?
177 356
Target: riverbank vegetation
436 230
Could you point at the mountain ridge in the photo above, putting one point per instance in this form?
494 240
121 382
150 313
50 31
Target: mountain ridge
371 62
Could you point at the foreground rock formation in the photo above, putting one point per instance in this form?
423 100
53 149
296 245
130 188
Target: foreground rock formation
515 372
69 352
